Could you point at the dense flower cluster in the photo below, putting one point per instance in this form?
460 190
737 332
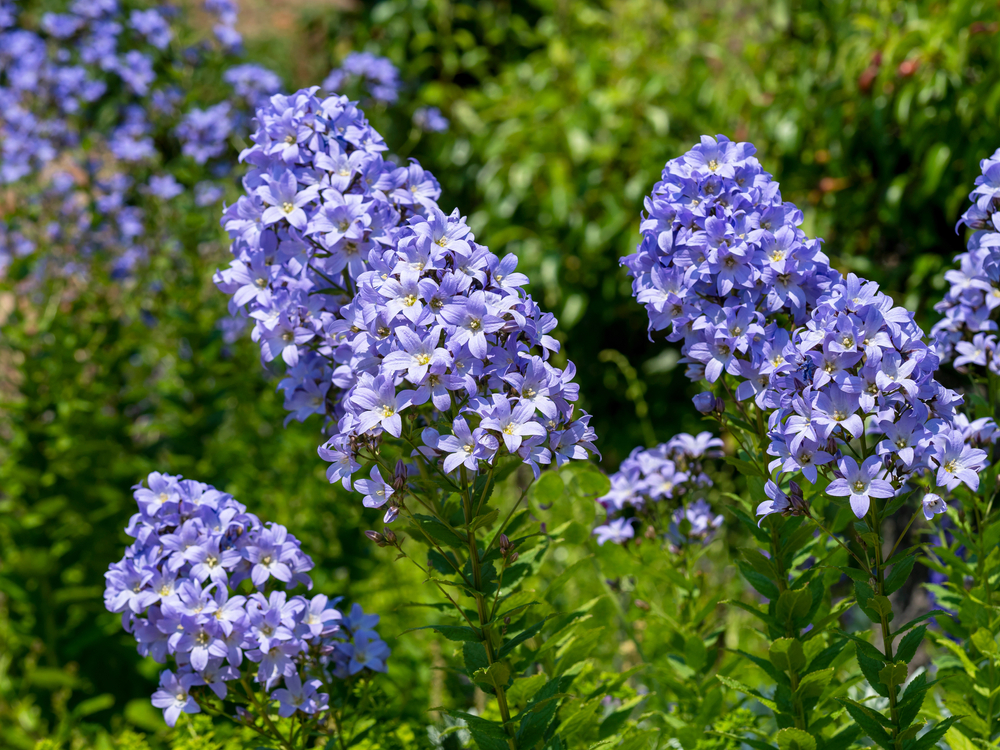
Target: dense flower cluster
967 332
378 76
672 471
177 589
827 360
57 69
381 306
722 257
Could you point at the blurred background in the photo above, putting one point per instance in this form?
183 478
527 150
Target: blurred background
872 114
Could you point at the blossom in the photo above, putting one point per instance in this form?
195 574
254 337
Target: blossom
932 505
376 490
207 630
299 696
860 483
957 463
174 695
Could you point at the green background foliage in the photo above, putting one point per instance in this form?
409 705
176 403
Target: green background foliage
873 115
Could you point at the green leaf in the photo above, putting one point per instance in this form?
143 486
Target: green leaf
695 652
488 735
871 663
763 584
485 519
744 467
744 688
926 616
794 604
461 633
983 640
931 737
814 683
93 705
474 655
893 675
865 718
899 573
592 481
496 675
549 488
882 605
786 654
520 638
795 739
907 647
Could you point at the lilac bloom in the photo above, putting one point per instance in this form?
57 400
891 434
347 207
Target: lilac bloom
619 531
777 502
957 463
284 200
174 695
381 405
367 651
318 618
932 505
376 490
860 483
296 696
269 555
201 640
418 354
836 408
473 319
512 424
901 438
466 447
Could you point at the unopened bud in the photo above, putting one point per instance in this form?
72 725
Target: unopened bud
513 558
505 545
376 537
506 620
390 536
650 532
641 605
243 716
399 478
704 402
796 501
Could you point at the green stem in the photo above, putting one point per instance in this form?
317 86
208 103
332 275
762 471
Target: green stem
876 527
477 578
264 715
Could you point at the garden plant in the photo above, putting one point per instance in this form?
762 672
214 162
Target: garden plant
422 375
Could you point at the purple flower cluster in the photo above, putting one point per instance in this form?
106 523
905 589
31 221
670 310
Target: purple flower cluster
56 68
825 360
672 471
722 257
177 589
378 75
382 307
967 333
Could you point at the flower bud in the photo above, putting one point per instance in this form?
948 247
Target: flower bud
399 479
505 545
376 537
390 536
513 558
704 402
650 532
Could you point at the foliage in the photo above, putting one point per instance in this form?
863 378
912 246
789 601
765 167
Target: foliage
873 116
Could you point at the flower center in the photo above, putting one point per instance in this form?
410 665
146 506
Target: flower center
211 561
261 282
528 393
410 300
859 486
475 324
202 638
287 336
163 497
467 448
713 164
508 430
839 415
900 442
265 560
388 411
847 341
287 207
422 359
951 466
289 139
